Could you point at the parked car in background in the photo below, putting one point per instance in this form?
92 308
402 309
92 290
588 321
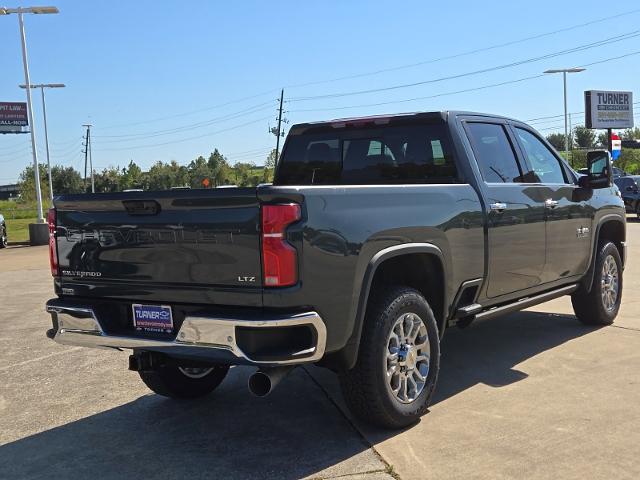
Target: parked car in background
629 189
3 232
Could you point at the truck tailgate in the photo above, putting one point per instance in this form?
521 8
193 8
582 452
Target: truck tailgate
180 239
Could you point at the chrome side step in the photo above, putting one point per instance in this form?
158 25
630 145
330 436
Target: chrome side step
468 310
526 302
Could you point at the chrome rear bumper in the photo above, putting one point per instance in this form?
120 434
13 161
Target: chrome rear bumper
80 326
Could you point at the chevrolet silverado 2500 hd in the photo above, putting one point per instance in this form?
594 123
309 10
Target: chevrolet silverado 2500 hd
376 235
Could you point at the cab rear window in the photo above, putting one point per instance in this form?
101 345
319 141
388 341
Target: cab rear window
393 155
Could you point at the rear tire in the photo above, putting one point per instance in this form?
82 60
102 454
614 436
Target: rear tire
3 236
395 375
174 381
600 306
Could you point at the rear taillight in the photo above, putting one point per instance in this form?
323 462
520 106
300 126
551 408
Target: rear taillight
53 251
279 258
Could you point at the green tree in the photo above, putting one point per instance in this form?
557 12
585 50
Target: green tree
131 176
66 180
631 134
27 183
219 167
199 170
629 161
109 180
243 174
269 167
557 140
584 137
163 176
603 139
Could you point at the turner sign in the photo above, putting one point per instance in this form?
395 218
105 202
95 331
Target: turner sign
13 114
608 109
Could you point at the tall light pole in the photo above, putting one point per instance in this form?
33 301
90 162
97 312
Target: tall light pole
42 86
564 72
21 11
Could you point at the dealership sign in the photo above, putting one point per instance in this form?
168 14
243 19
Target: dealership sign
13 116
605 109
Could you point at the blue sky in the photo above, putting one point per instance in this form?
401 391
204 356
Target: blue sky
170 81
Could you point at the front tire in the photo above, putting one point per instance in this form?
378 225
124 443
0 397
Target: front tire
600 306
395 374
174 381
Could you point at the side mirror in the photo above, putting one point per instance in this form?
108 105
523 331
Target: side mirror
629 189
599 169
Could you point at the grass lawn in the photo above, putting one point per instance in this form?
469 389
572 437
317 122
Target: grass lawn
18 229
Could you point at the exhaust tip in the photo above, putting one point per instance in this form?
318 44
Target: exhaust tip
260 384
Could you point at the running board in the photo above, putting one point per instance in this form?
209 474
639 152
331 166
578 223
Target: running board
526 302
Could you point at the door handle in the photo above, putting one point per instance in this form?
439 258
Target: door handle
498 207
548 203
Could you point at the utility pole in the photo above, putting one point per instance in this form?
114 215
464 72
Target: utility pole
277 131
87 156
279 124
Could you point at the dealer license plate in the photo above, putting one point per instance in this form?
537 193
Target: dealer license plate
152 318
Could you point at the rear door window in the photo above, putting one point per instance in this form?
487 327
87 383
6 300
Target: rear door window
391 155
494 153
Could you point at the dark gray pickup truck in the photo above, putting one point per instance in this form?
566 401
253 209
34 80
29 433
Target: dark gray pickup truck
376 235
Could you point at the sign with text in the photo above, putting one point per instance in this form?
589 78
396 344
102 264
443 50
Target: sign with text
605 109
13 116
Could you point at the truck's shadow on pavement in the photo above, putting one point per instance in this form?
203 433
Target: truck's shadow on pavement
296 432
488 352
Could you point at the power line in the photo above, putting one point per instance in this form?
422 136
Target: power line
463 54
193 112
188 138
466 90
261 154
248 151
8 147
25 148
157 133
456 92
579 48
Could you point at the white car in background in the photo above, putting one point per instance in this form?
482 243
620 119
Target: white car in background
3 232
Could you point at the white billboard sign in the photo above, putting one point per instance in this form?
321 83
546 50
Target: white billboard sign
605 109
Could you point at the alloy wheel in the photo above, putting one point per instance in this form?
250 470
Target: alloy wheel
610 283
407 357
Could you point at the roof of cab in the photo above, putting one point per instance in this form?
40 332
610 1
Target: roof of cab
442 115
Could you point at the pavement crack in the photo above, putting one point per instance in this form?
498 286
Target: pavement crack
388 467
626 328
38 359
347 475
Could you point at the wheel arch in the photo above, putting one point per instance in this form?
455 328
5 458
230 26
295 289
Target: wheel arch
417 265
610 227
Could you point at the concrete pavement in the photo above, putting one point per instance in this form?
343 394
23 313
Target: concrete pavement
531 395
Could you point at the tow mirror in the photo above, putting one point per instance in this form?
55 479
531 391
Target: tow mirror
599 173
